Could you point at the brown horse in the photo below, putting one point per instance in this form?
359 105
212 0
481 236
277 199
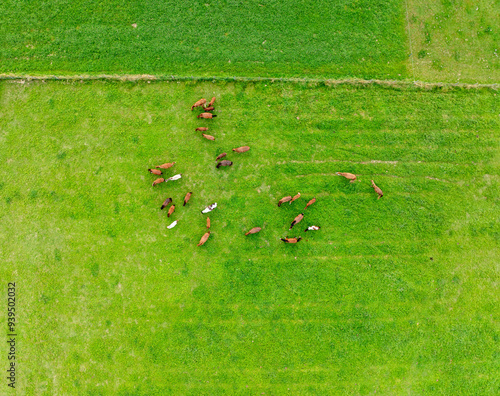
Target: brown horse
166 166
158 181
310 203
297 220
241 149
284 199
350 176
291 240
199 103
207 115
204 239
377 190
294 198
187 198
209 137
254 230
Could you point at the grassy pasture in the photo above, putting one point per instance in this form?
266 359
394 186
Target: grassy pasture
111 302
455 40
331 38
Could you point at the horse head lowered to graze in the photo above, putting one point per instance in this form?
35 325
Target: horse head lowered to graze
285 199
158 181
350 176
377 190
199 103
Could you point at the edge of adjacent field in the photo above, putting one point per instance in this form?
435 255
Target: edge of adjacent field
397 84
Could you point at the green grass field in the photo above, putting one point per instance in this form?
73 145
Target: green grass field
434 41
445 41
393 296
276 38
455 41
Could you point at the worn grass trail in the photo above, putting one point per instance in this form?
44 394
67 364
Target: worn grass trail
394 295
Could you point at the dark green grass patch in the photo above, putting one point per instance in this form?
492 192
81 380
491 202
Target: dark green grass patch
205 38
397 295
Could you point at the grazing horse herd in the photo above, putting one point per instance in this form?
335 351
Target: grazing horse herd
207 115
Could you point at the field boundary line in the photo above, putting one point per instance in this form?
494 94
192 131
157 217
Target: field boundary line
395 84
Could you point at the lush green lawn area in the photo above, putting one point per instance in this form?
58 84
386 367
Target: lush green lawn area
331 38
397 295
451 41
455 41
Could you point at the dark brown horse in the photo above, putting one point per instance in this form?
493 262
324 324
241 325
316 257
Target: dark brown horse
165 203
224 163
